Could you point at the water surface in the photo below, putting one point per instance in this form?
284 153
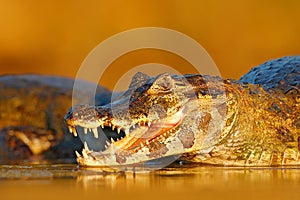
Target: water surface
68 181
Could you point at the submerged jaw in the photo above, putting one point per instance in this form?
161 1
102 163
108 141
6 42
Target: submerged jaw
136 142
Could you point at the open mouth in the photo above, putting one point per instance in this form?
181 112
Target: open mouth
108 138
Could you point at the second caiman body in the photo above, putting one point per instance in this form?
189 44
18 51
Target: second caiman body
32 108
201 119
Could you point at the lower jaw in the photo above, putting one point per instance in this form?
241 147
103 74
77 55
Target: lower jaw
122 159
109 164
101 157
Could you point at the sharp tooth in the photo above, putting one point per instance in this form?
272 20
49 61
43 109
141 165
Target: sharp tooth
109 124
107 143
126 131
77 154
118 130
85 130
112 140
147 142
149 124
102 125
90 130
95 131
112 127
84 153
86 146
133 126
74 132
70 129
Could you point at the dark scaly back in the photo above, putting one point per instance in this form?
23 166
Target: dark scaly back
279 74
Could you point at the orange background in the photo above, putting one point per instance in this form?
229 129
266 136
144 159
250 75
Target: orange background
54 37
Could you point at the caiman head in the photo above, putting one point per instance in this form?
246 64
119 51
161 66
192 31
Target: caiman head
156 117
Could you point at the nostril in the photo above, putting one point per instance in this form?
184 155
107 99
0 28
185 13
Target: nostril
69 114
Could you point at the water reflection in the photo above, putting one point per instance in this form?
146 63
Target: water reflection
201 177
179 183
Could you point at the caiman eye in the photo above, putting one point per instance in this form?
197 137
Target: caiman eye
162 84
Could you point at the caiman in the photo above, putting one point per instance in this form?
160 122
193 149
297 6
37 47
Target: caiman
32 108
204 119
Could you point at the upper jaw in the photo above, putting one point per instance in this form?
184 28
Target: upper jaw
91 118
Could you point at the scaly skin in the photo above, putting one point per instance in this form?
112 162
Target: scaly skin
32 108
202 119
